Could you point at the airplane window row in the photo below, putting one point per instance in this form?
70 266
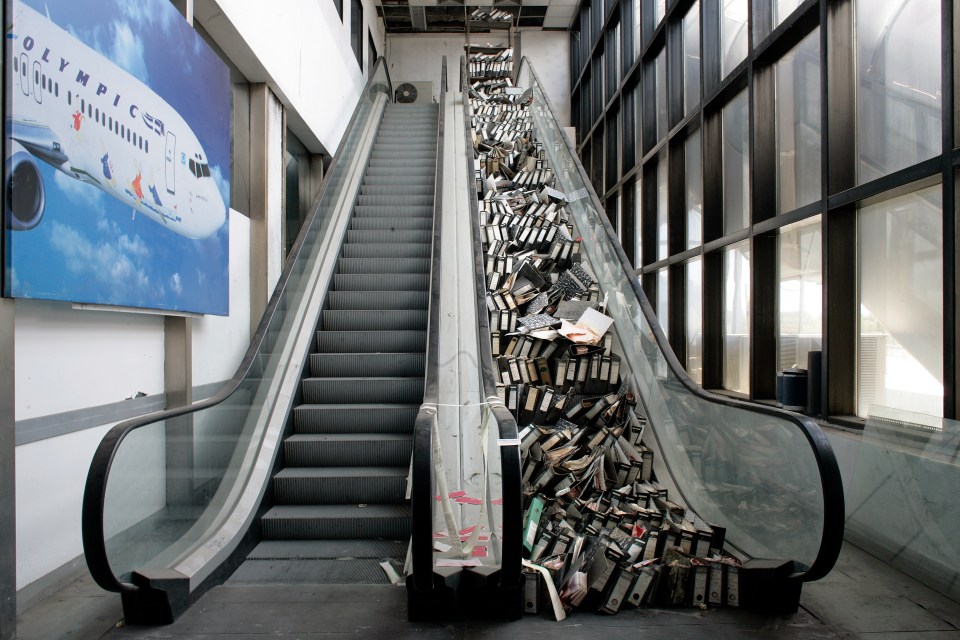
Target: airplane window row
40 79
109 123
199 169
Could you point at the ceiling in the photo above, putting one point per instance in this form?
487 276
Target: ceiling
453 16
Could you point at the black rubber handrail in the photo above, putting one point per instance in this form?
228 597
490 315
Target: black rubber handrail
94 542
833 500
511 479
421 490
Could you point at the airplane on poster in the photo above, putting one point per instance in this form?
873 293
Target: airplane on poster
82 114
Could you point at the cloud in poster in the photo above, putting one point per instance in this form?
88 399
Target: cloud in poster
105 262
176 285
79 192
127 51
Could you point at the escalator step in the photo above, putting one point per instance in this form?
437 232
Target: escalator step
393 264
392 282
395 190
374 390
341 485
390 223
389 236
348 450
373 320
327 549
286 522
355 418
394 212
387 250
400 341
364 200
367 364
378 299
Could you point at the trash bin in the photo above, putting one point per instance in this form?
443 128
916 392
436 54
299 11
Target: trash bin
792 389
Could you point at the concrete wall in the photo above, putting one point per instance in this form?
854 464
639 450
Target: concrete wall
417 58
303 53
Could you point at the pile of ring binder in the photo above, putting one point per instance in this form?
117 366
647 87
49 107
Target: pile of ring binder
597 521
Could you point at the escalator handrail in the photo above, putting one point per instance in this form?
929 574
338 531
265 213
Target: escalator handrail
92 530
512 549
833 515
421 492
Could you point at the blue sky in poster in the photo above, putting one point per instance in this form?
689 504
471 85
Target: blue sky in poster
90 247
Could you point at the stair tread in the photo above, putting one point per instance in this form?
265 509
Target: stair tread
341 472
320 549
338 511
348 437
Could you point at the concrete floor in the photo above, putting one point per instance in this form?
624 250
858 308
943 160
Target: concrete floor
861 598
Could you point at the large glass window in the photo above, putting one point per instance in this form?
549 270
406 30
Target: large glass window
659 10
694 320
660 91
638 224
736 317
663 300
901 303
899 98
798 125
736 164
637 28
782 9
356 30
693 176
691 58
733 35
662 225
801 293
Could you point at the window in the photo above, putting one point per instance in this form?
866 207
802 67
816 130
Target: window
899 100
371 51
693 176
900 258
694 320
736 164
638 224
663 300
798 125
356 30
733 35
691 58
801 293
660 91
662 212
736 317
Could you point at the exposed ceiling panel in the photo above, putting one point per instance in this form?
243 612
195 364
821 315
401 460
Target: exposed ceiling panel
452 16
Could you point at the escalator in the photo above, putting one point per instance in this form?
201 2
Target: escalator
340 505
303 459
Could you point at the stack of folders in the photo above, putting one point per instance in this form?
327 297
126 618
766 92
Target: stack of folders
597 520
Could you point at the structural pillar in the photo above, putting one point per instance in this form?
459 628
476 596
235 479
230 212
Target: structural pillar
266 198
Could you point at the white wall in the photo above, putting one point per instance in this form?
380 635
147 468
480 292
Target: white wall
220 342
416 57
303 52
549 51
69 359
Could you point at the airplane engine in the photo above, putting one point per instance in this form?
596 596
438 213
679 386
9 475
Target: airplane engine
24 190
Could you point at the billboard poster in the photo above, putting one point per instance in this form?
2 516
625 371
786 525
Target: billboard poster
117 158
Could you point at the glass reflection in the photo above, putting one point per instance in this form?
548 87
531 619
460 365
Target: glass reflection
901 303
899 99
798 125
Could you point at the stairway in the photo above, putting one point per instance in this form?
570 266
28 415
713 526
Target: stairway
339 501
